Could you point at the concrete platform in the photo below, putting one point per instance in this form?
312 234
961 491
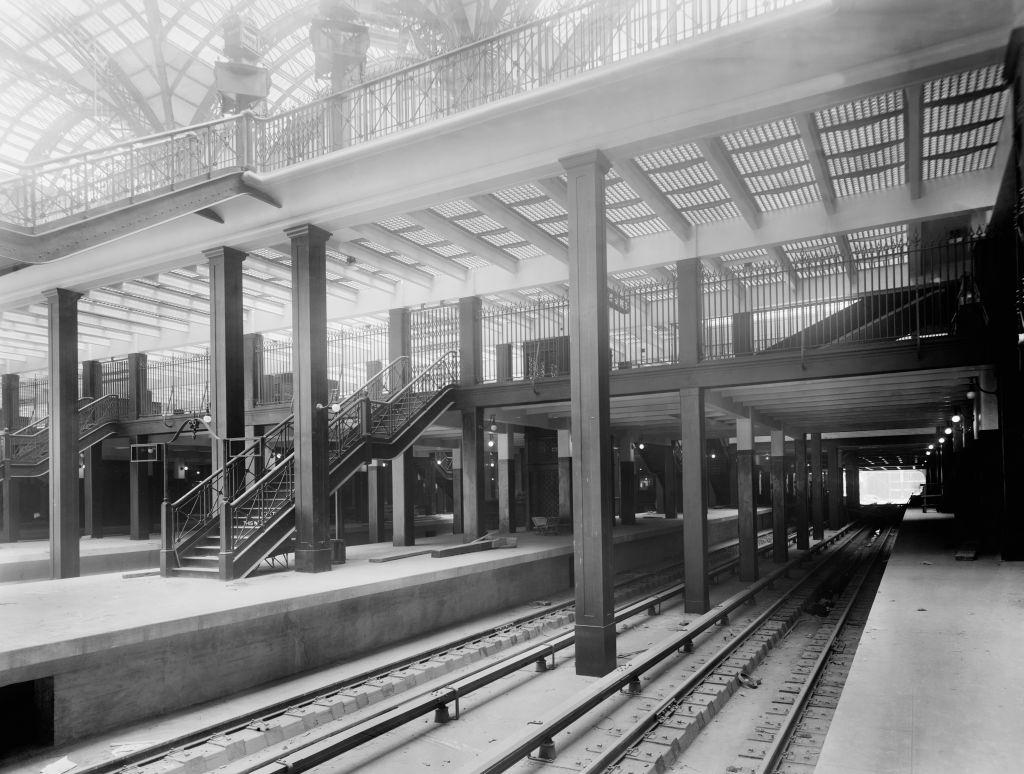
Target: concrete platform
120 649
937 683
30 559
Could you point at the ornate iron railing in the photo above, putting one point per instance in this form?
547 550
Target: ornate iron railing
31 444
528 57
896 292
388 418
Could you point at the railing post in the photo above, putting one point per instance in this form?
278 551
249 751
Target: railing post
136 384
168 559
226 557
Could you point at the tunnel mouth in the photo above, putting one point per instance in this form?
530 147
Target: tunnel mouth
26 717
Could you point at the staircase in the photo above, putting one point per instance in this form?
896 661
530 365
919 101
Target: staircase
27 451
254 494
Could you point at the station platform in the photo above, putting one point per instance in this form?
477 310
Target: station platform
936 685
115 649
30 559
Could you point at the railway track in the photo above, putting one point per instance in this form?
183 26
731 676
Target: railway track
392 688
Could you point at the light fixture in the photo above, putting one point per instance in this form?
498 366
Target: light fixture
494 425
207 417
334 407
490 442
948 431
942 440
956 419
714 456
974 388
438 461
928 453
640 444
931 446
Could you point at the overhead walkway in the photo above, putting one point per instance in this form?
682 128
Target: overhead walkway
244 513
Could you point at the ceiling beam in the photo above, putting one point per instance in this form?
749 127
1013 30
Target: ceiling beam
816 158
431 221
913 133
524 227
385 263
737 409
410 249
721 164
849 264
555 188
337 264
282 272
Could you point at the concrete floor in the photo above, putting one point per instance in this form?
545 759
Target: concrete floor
30 559
937 684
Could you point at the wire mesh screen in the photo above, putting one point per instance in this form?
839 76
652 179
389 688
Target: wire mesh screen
434 331
892 292
176 384
353 357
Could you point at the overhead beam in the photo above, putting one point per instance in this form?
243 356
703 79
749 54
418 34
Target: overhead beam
714 152
816 158
779 257
337 264
530 231
431 221
411 249
385 263
913 133
282 272
555 189
714 399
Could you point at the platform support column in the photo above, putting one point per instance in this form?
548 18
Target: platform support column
817 489
227 376
564 476
671 483
458 526
470 341
800 511
746 522
400 345
138 389
627 489
688 310
852 489
506 503
777 471
695 503
835 488
309 363
403 480
590 424
472 473
95 485
92 379
138 496
374 511
10 420
62 318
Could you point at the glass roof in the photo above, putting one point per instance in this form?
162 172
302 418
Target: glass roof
82 74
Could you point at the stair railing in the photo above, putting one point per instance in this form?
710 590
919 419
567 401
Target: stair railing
31 444
388 418
198 509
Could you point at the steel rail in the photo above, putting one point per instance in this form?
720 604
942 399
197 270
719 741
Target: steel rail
571 711
782 738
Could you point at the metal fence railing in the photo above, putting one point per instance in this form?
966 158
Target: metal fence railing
894 293
176 384
434 330
522 59
353 357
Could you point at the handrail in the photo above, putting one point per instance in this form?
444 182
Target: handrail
545 51
31 448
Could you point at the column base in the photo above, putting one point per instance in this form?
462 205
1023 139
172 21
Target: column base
313 559
337 551
595 650
168 561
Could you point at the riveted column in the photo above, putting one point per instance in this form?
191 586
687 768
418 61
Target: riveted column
62 316
403 479
506 513
309 363
457 524
689 310
10 515
835 488
777 470
817 489
138 389
695 503
94 489
747 519
138 496
590 419
627 486
472 473
800 511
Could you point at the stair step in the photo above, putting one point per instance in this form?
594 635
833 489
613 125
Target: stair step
196 560
196 572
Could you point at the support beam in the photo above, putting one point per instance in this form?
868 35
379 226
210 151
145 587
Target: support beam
459 236
472 474
336 264
385 263
410 249
470 341
695 504
747 517
525 228
800 505
564 451
63 399
835 488
809 133
139 496
96 484
458 526
403 478
817 489
717 157
555 189
913 133
281 272
777 471
309 364
590 422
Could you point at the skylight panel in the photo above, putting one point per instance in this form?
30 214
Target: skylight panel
503 239
861 110
421 236
666 157
520 193
449 250
720 212
699 198
638 211
618 192
397 223
470 261
780 200
454 209
643 227
525 252
953 86
687 177
542 211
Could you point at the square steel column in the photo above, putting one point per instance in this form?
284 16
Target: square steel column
374 511
564 447
803 537
747 520
472 474
852 488
95 485
817 489
506 501
777 471
689 310
400 344
835 488
139 496
671 483
457 522
695 501
470 341
590 419
403 477
10 511
62 317
309 364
